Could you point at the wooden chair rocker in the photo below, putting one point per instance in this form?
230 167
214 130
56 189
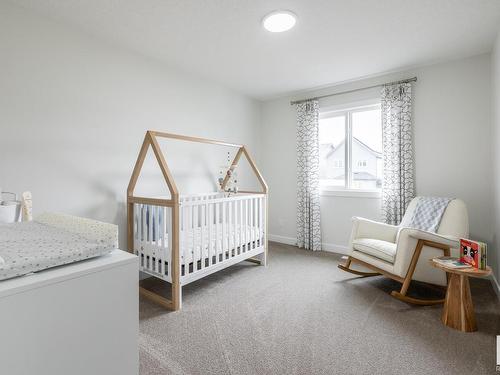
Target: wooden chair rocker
402 253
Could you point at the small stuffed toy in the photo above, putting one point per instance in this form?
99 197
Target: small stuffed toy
27 206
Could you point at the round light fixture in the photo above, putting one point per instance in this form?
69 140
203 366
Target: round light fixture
279 21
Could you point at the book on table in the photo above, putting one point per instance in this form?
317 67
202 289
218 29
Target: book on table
473 253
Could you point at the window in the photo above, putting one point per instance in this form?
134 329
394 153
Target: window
338 163
351 149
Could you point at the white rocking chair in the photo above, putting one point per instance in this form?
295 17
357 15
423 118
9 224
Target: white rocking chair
402 253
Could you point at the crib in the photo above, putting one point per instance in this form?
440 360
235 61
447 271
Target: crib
183 238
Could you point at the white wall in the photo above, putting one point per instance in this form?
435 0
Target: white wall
452 148
494 253
74 111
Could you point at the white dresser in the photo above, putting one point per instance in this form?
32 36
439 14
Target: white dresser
77 319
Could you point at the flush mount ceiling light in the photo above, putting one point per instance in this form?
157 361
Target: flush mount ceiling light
279 21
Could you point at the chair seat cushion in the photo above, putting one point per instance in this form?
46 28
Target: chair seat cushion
377 248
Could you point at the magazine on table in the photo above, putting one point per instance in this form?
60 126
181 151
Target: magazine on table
451 262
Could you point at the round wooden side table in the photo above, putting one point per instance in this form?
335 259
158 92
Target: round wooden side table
458 311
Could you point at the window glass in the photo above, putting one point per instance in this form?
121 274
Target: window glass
366 149
332 151
360 130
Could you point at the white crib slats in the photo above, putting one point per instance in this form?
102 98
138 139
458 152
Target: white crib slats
256 219
196 239
249 225
163 227
144 241
240 231
217 236
192 230
216 231
245 232
155 213
260 221
168 233
230 229
259 224
191 245
184 248
203 228
150 225
161 246
252 223
146 236
190 237
152 242
255 222
234 245
235 228
144 226
210 226
156 241
224 230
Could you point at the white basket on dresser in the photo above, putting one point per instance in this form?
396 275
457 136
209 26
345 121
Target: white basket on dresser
10 209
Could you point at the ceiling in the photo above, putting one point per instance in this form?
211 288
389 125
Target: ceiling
333 41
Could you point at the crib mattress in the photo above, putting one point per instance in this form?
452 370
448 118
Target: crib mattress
33 246
191 244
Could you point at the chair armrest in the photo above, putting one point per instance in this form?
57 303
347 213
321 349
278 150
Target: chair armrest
441 239
365 228
407 241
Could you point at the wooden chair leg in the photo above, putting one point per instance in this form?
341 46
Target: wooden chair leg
345 267
411 269
416 301
401 295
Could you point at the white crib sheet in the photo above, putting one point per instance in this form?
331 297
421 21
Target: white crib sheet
33 246
191 241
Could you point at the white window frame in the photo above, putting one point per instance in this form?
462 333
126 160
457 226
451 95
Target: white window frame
347 112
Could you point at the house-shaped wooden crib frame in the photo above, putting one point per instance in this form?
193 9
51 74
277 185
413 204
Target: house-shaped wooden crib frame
150 140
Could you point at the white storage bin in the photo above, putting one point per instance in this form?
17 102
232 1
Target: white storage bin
10 208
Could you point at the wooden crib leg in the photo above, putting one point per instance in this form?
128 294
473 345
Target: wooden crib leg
176 264
176 296
262 259
152 296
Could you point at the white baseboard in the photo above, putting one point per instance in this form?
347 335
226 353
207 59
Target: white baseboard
495 284
333 248
329 247
282 239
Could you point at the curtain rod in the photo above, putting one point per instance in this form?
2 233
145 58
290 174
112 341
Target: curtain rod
414 79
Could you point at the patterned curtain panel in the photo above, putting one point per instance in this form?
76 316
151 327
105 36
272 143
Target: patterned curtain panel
398 186
308 209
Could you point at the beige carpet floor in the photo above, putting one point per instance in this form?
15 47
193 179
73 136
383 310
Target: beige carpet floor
302 315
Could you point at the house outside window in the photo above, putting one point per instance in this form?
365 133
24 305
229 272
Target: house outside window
351 149
338 163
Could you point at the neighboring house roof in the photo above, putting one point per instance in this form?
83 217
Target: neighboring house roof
329 148
326 149
376 153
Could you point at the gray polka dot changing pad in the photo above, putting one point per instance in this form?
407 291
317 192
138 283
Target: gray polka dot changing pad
53 241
